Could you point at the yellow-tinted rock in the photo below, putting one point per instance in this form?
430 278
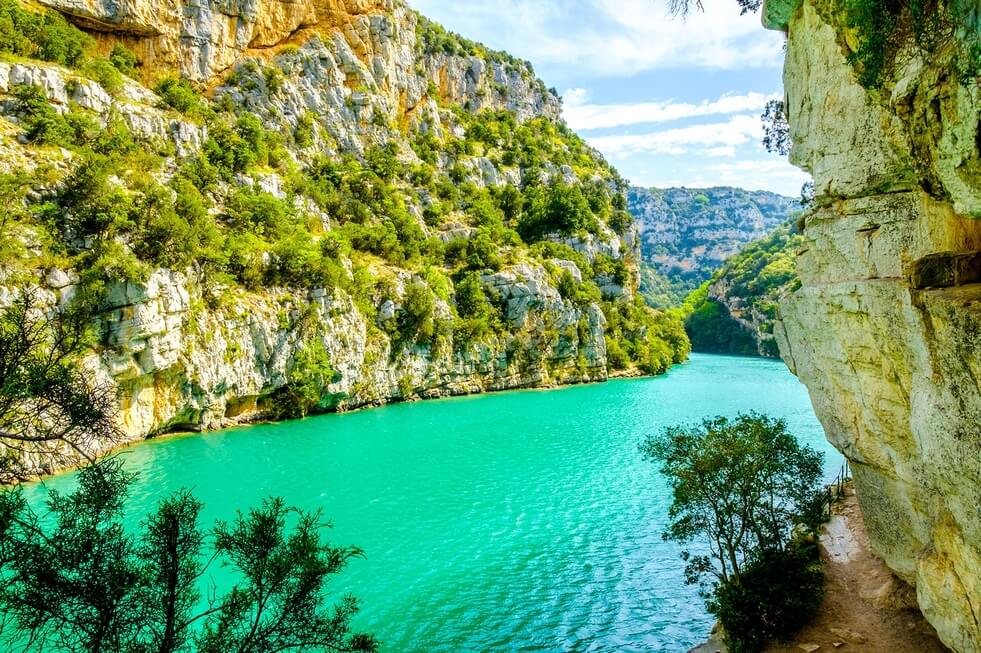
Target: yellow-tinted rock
892 362
201 38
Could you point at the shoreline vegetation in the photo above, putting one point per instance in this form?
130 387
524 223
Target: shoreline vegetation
122 447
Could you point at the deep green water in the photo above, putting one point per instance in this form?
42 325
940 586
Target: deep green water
521 521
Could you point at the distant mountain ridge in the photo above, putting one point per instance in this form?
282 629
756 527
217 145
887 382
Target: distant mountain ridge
686 234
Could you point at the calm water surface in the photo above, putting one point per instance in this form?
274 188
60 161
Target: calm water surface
521 521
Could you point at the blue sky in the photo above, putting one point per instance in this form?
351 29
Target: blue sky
670 101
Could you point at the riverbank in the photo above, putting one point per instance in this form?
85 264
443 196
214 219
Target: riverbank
260 418
865 607
537 501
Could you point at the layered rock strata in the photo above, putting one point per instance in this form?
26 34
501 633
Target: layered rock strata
886 330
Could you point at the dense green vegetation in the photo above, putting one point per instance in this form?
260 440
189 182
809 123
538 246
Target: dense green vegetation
888 29
128 207
755 280
72 578
740 488
712 329
44 35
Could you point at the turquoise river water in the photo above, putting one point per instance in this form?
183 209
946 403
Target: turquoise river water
519 521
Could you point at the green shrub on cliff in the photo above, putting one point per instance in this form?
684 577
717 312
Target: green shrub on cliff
44 35
42 124
740 487
123 59
307 377
177 93
474 309
889 31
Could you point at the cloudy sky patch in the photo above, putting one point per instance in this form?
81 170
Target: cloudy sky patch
669 101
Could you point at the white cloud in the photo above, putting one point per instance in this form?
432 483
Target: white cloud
775 175
575 97
738 130
581 115
724 151
614 38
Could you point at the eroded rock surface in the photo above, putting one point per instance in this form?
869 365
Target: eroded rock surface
886 330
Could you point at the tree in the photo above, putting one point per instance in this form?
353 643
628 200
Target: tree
50 412
75 579
776 130
739 485
307 377
682 7
280 604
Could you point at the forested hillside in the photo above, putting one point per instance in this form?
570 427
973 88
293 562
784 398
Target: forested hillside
687 233
734 311
369 209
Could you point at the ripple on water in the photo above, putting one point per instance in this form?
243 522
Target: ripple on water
521 521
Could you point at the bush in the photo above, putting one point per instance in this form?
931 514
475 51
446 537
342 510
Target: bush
303 132
776 595
178 94
307 379
123 59
259 212
238 147
90 204
415 321
106 74
42 124
472 306
555 208
174 227
45 35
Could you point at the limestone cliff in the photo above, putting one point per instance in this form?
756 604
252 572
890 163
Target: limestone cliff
686 234
202 39
398 200
886 330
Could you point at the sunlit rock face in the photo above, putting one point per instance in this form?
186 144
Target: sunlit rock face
886 330
355 69
204 37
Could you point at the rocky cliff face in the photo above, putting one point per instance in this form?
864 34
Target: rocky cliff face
363 179
202 39
886 330
180 366
734 312
687 233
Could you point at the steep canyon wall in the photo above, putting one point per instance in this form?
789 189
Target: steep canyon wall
886 330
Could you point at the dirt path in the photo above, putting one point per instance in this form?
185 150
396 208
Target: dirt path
865 607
